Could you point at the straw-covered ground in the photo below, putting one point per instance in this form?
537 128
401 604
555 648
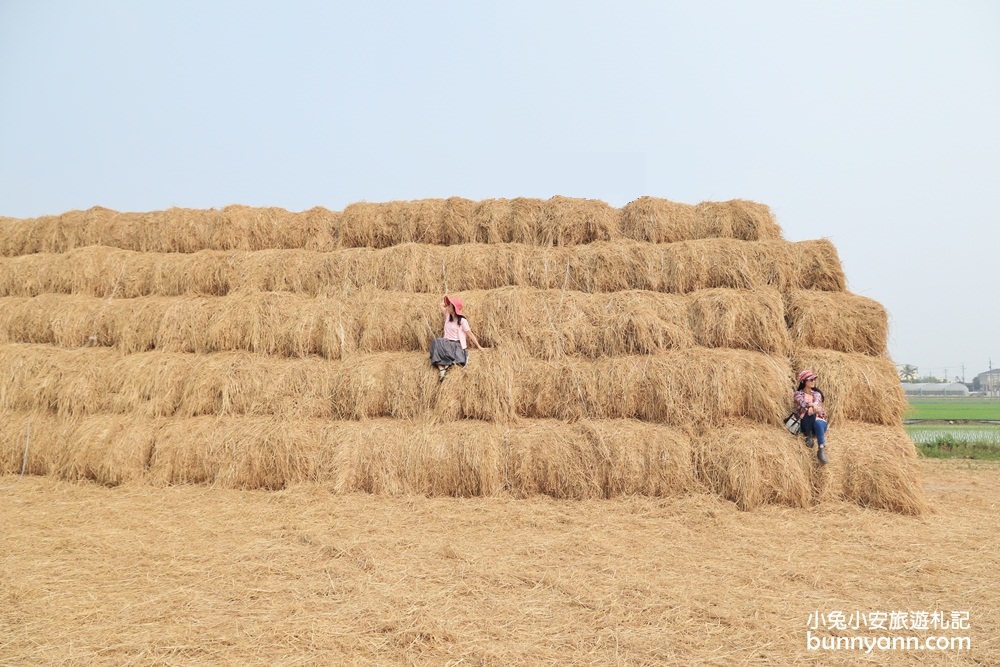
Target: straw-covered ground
182 575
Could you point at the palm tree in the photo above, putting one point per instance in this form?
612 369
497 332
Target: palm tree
908 373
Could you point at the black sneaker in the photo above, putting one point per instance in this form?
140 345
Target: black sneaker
809 441
821 455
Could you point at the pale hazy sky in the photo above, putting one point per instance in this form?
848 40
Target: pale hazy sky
874 124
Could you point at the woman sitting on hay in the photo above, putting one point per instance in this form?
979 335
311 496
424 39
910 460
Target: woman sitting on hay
812 416
451 348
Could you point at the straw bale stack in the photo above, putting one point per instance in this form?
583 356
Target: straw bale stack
676 268
173 230
644 350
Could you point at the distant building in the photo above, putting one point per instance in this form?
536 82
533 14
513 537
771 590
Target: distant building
935 389
988 381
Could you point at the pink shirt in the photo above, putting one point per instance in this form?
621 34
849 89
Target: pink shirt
454 331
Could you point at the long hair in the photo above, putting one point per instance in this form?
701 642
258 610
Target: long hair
802 385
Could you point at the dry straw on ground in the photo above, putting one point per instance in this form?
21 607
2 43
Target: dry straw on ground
194 575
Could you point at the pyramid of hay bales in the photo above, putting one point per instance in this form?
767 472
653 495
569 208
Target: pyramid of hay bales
644 350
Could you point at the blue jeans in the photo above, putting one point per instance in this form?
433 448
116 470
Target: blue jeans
810 425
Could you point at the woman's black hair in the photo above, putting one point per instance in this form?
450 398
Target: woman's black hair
802 386
458 318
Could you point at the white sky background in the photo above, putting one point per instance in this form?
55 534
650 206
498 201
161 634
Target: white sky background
874 124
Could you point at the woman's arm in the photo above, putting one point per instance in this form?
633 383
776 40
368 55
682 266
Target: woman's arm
800 400
471 336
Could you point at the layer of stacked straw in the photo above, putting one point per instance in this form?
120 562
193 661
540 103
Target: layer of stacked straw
645 350
556 221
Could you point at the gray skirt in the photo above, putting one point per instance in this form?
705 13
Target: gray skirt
447 352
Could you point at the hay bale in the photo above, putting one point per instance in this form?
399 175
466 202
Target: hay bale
36 274
837 321
396 457
33 442
869 465
659 221
22 320
270 323
737 219
394 321
79 321
753 465
676 388
151 384
815 265
405 386
134 325
572 221
106 449
249 228
27 444
241 453
36 376
508 220
399 385
881 467
642 459
431 221
556 221
237 383
14 234
56 234
173 230
184 324
298 271
599 459
551 324
323 229
855 387
714 263
555 459
742 319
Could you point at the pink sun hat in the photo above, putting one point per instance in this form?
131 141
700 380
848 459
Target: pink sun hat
455 302
807 375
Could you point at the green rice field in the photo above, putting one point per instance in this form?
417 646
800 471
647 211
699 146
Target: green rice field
954 408
955 427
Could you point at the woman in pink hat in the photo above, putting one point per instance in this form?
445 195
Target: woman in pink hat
450 349
812 416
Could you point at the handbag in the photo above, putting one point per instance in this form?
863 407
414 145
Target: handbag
792 423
